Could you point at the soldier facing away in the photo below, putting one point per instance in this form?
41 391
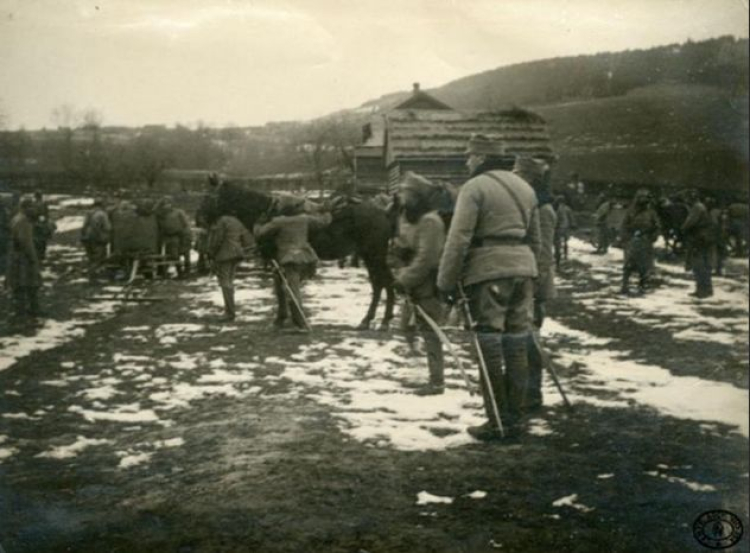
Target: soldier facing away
23 275
95 235
565 221
175 235
415 258
700 232
289 231
227 243
640 229
492 249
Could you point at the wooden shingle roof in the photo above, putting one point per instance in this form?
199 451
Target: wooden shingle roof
442 134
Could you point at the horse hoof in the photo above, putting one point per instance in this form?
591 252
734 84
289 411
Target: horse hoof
384 326
364 325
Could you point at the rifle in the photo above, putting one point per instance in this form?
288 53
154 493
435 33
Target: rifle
482 364
290 292
547 363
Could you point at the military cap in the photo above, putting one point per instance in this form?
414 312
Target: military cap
531 170
481 144
417 183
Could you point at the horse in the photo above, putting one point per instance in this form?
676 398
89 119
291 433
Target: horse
357 228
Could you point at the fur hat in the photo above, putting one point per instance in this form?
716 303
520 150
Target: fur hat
417 184
481 144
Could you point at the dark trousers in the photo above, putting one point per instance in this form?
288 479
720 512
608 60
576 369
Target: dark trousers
289 301
26 300
701 265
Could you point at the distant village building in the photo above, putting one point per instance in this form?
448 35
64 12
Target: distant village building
425 135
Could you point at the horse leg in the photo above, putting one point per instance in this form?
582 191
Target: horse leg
390 300
377 289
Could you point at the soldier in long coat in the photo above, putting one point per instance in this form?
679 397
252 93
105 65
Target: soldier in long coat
565 221
544 288
23 274
175 235
96 233
700 233
415 257
640 229
227 243
492 249
289 232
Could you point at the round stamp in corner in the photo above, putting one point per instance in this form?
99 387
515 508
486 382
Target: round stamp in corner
717 529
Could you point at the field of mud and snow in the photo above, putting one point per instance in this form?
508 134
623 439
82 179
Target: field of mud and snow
154 427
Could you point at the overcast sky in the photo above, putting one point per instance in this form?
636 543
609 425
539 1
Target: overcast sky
248 62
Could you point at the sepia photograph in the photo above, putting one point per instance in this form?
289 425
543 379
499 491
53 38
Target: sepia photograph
374 276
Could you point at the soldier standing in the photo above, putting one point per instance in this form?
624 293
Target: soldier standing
565 221
228 240
95 235
544 287
699 232
416 254
23 275
492 249
44 228
640 229
601 217
289 231
175 234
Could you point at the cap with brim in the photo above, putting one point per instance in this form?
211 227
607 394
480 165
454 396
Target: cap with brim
481 144
530 169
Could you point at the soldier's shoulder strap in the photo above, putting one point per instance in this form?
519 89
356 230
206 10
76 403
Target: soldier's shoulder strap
514 197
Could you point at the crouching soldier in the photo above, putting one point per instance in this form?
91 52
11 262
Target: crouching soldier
23 275
492 249
640 229
95 235
295 258
227 243
415 259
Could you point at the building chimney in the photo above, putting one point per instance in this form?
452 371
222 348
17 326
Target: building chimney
416 88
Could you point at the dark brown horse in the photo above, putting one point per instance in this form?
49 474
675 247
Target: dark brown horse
357 228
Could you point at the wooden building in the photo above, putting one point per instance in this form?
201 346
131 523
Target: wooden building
424 135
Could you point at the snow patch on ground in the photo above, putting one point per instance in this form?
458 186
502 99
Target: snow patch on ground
51 335
426 498
69 223
691 485
685 397
72 450
571 501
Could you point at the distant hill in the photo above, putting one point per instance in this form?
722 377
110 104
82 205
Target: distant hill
671 115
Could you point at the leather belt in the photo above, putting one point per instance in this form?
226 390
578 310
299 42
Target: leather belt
478 242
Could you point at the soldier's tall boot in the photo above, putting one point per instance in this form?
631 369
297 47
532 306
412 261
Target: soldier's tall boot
434 350
32 298
228 294
516 377
19 303
534 398
491 345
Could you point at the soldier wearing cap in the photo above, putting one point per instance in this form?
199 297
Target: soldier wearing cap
228 241
700 231
175 235
639 231
492 249
95 235
23 274
289 232
44 227
415 256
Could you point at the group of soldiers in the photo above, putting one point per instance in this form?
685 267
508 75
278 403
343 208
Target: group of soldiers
704 232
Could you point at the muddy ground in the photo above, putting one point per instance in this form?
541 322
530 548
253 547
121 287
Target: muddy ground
154 427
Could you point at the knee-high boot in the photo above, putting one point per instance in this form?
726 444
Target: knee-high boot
517 374
534 397
491 344
434 350
228 293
